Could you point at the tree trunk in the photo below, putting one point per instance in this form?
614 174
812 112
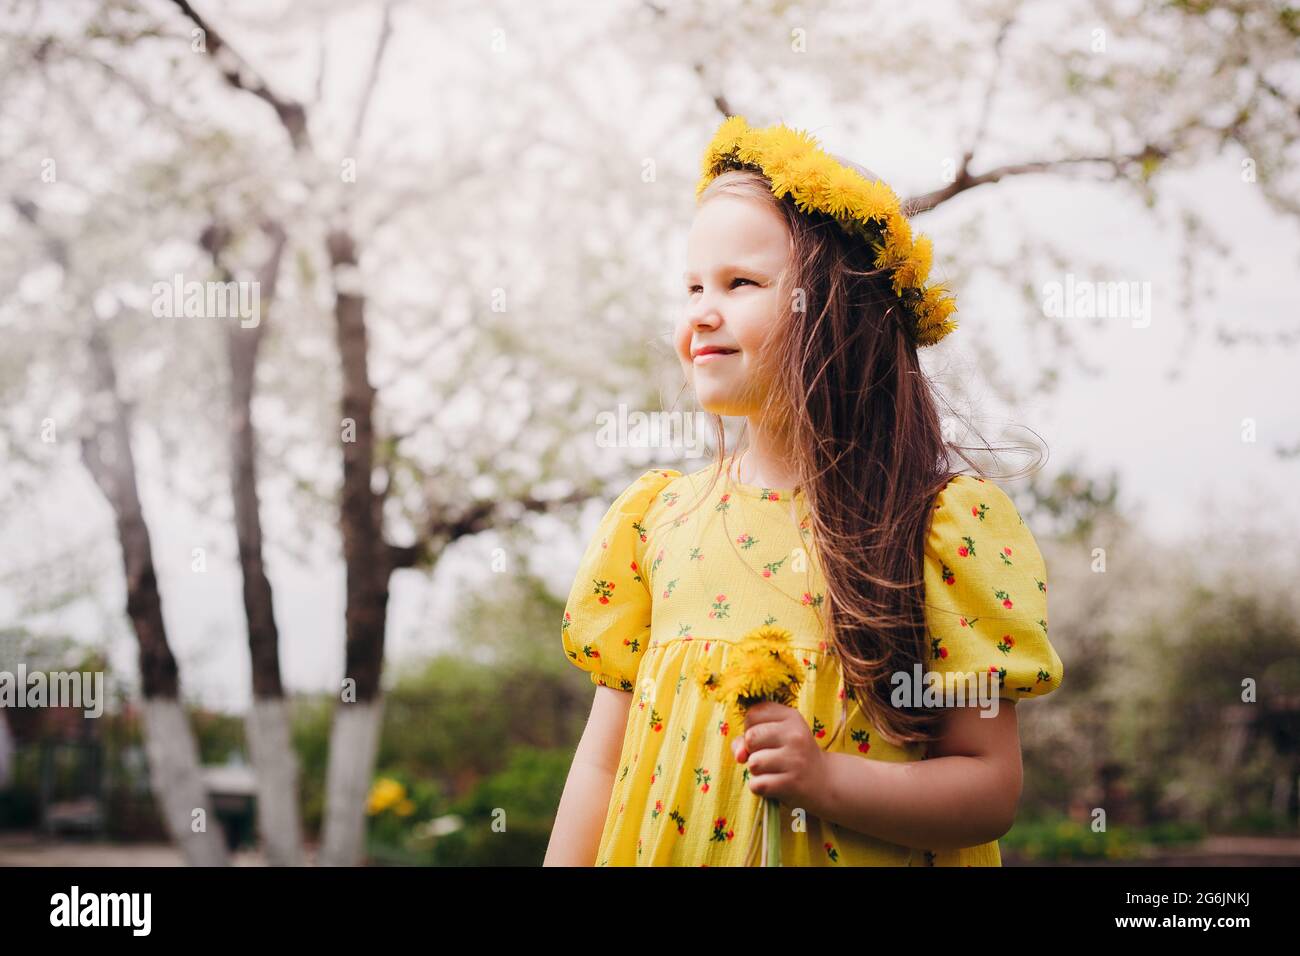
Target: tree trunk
276 767
354 742
357 718
267 727
177 784
174 773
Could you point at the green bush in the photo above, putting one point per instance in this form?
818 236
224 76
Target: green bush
1063 840
508 818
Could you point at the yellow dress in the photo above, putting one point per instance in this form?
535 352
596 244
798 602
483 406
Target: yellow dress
661 587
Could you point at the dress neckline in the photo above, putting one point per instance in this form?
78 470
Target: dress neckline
756 491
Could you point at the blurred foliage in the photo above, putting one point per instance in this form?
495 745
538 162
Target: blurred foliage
1060 840
1070 504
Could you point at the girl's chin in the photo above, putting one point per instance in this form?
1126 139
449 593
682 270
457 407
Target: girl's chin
723 405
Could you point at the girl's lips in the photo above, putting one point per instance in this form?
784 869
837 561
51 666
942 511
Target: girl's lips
710 356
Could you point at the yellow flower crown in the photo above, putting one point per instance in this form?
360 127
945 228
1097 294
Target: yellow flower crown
795 165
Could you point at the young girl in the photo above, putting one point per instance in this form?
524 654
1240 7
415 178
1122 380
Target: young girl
841 523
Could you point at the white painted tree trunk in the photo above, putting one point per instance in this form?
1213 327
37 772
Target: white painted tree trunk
354 741
177 783
276 767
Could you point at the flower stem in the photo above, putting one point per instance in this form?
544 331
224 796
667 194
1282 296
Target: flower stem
772 830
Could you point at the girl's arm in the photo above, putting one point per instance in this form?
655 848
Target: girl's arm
585 802
965 793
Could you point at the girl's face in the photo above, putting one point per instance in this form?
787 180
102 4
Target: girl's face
735 254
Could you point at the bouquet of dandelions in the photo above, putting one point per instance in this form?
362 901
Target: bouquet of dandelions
761 666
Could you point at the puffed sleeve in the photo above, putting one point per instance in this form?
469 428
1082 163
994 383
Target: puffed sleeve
606 622
986 591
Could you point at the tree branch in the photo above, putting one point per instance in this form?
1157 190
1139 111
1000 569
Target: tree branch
478 517
965 180
363 108
240 75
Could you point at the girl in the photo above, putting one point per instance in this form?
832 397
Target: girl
841 523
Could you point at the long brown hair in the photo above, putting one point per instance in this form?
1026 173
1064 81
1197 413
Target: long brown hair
847 387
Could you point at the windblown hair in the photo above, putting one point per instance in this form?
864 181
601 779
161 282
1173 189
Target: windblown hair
847 387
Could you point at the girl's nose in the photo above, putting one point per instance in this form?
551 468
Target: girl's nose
703 313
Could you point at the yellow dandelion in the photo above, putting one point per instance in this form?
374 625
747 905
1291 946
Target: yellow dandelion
762 666
384 793
912 273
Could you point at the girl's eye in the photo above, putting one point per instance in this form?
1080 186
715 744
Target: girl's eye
695 288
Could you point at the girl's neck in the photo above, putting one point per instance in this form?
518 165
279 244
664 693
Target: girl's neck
764 462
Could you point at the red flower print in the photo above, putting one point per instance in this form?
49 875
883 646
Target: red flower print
702 779
680 821
656 722
720 607
863 740
818 728
1004 597
948 577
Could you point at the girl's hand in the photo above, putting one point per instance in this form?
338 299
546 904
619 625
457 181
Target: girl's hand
784 760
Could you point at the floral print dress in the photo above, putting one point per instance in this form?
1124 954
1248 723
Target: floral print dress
681 567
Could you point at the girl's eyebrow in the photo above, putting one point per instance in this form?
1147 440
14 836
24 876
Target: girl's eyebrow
727 267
